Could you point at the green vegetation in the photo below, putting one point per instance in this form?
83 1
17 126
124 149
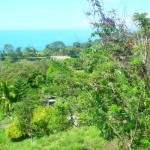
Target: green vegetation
99 98
74 139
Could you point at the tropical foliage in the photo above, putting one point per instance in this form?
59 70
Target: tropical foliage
104 85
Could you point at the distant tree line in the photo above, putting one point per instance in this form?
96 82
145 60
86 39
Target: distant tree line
55 48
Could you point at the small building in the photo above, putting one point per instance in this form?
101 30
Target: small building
51 100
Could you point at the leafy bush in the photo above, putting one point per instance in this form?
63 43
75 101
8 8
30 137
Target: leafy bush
40 120
58 118
50 119
117 102
13 131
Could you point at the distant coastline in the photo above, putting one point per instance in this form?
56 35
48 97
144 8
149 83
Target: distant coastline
40 38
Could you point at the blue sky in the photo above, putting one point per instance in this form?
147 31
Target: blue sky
59 14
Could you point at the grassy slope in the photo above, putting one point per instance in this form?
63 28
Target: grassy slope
86 138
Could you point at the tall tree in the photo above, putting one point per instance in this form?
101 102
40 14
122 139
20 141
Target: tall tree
20 89
18 52
30 51
57 45
7 96
9 52
143 22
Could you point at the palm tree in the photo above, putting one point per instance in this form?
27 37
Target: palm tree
142 20
6 96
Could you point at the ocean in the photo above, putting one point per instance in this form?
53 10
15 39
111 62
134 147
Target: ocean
40 38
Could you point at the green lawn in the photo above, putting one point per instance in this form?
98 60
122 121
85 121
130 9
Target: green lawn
85 138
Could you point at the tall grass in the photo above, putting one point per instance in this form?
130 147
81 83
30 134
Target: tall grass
85 138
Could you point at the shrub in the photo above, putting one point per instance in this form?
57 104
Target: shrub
13 131
50 119
40 120
58 118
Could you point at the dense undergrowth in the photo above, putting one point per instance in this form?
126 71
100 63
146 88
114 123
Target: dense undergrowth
106 88
104 93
